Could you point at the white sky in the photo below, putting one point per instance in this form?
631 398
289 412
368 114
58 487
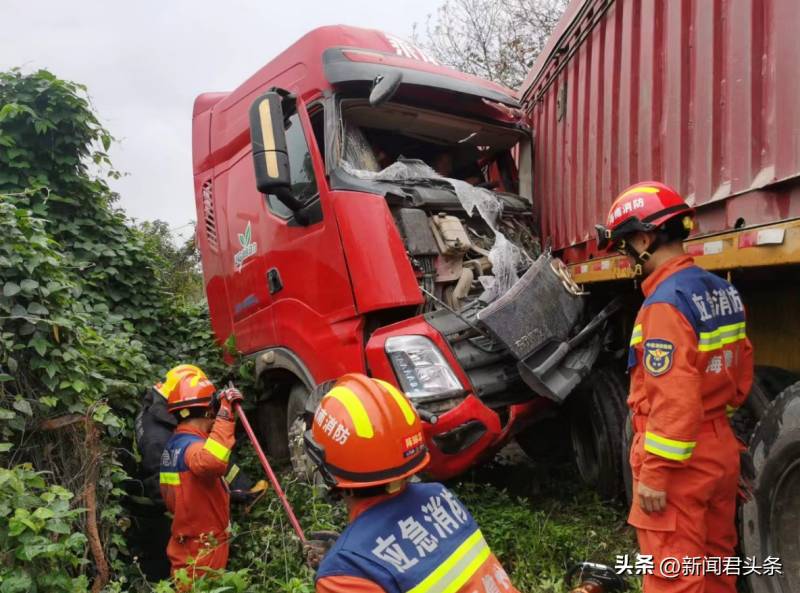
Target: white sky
145 61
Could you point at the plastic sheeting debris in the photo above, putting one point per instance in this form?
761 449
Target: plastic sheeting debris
506 258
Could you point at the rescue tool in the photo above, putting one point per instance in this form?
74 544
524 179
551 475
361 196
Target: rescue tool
594 578
270 474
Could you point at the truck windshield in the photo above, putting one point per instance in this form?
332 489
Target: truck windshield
372 139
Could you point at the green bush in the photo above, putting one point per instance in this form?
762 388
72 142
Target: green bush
86 319
37 535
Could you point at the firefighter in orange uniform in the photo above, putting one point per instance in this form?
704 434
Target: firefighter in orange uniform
192 468
691 366
367 441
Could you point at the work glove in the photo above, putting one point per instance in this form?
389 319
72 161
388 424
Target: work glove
317 545
227 398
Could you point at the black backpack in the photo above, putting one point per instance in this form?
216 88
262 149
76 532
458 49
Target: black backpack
153 427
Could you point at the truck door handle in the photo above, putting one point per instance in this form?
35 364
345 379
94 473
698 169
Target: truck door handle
274 280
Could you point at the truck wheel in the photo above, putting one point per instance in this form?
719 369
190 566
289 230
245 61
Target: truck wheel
768 383
271 428
597 416
627 474
546 440
769 522
296 426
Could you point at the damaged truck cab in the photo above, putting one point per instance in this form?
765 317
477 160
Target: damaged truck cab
360 208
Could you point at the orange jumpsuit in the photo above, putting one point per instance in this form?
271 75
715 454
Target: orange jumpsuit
691 365
192 468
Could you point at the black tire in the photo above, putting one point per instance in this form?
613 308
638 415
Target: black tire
769 521
546 441
271 428
774 380
627 473
296 425
300 412
768 383
597 416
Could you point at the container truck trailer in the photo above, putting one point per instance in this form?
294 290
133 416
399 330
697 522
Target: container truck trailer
703 96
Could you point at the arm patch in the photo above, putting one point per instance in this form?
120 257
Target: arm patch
658 356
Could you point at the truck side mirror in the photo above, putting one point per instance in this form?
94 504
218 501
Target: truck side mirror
384 87
270 157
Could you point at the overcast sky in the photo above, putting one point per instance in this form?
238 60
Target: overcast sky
145 61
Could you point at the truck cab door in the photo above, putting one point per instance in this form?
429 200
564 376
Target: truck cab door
303 268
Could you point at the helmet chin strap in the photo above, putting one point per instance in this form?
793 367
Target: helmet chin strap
642 256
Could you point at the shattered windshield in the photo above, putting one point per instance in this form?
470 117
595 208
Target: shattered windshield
398 144
371 139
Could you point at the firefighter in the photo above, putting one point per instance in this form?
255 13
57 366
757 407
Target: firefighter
193 466
691 365
154 427
366 440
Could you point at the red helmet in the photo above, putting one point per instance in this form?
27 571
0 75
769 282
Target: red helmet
192 391
365 433
644 206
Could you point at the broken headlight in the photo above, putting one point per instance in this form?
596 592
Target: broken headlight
421 369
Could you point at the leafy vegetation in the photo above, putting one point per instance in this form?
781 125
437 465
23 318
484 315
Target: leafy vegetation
83 307
93 308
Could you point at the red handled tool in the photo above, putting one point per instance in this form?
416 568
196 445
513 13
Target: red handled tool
270 474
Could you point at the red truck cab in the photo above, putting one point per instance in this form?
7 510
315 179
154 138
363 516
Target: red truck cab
365 259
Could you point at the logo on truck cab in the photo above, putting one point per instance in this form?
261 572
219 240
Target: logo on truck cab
248 248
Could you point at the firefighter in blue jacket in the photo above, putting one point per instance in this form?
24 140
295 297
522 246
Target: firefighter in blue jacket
366 439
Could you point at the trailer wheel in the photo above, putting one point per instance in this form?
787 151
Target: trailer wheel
768 383
769 521
627 474
597 415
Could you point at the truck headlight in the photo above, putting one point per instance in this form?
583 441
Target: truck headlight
420 367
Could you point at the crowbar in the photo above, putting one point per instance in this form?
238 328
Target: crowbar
270 474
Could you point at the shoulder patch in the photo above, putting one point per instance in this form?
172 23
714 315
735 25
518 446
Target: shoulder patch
658 356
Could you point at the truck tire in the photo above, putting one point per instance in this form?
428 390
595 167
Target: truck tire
768 383
271 428
627 474
769 521
597 416
296 426
547 440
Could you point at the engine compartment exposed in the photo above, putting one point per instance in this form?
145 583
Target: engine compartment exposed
472 247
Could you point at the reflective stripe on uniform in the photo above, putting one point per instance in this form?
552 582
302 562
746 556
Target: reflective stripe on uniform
668 448
170 478
355 408
459 567
730 410
218 450
636 336
724 334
